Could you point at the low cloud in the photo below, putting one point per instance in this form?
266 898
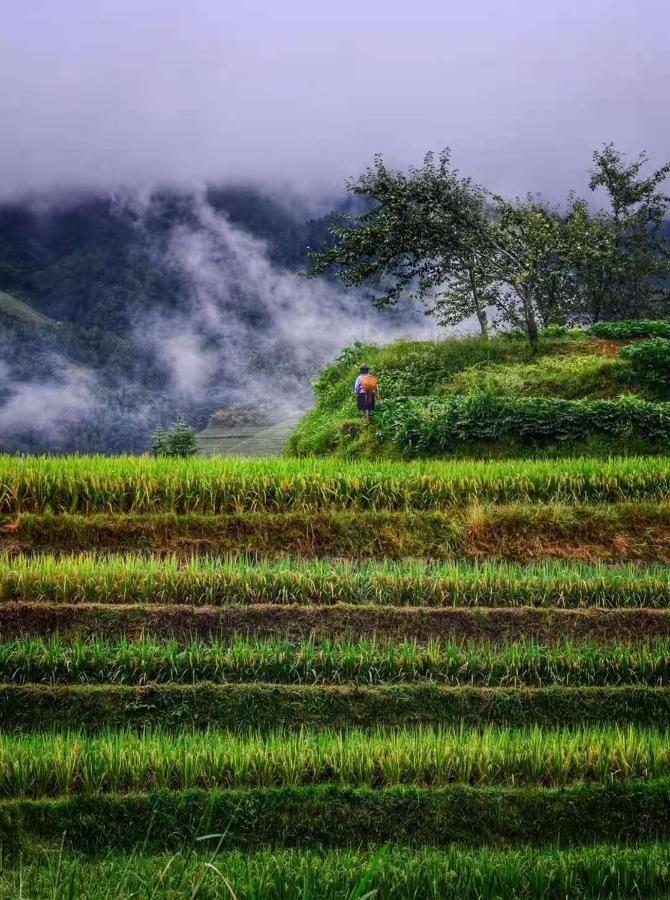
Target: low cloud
47 410
254 331
120 92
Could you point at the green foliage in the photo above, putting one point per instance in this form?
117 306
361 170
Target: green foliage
437 426
623 258
261 706
349 355
361 662
179 441
47 764
333 816
130 484
435 235
650 360
630 329
496 398
569 377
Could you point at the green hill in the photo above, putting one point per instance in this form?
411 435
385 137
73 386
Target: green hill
17 309
594 392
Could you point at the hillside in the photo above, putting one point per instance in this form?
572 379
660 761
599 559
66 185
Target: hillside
251 442
597 392
17 309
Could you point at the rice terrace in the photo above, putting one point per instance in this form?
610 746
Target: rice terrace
413 677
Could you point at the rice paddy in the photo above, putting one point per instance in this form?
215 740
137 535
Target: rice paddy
217 486
228 581
278 874
364 662
123 761
306 678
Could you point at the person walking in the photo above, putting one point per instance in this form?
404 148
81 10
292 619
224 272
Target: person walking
366 389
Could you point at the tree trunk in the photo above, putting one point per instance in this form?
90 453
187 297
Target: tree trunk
531 322
480 309
483 320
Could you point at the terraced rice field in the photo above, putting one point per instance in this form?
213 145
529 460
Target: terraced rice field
297 679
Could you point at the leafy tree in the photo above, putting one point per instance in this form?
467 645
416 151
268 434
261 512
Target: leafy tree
594 257
528 256
433 234
632 272
417 238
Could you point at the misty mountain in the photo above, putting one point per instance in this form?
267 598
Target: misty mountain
162 304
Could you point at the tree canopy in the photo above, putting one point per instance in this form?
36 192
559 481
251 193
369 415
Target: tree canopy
434 235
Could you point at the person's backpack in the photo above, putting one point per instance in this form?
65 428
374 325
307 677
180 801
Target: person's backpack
369 383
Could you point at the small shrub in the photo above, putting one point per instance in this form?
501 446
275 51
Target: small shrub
349 355
553 331
180 441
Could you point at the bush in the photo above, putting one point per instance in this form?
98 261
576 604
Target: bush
180 441
435 426
649 360
631 328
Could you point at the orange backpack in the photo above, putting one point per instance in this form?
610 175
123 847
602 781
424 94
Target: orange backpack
369 383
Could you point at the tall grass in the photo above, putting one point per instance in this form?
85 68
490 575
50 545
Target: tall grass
363 662
49 765
481 874
238 580
141 484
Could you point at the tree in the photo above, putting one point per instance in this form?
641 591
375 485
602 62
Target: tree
528 256
416 239
595 260
180 441
432 233
637 262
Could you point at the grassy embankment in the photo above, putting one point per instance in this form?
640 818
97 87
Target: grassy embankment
593 393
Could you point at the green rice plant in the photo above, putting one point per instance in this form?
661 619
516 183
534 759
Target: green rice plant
364 662
122 761
462 874
239 580
144 485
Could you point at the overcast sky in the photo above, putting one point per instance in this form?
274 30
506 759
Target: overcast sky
99 93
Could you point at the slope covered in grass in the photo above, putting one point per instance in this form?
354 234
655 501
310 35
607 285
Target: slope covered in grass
582 393
17 309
